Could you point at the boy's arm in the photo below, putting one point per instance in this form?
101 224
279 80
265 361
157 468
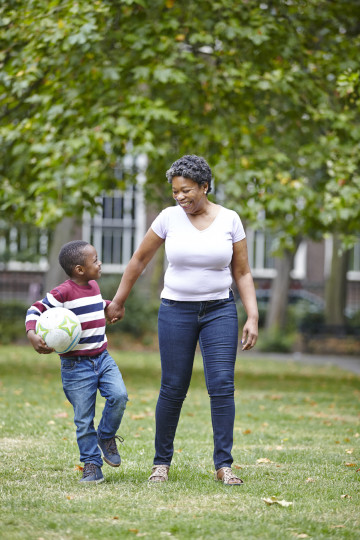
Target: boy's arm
38 343
32 315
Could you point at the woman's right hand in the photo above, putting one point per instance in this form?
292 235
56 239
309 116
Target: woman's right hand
114 312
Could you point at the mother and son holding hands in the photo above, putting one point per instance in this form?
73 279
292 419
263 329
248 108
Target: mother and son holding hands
206 250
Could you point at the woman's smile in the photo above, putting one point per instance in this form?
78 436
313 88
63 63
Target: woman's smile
188 194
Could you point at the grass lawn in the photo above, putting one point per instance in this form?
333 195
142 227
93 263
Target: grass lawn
297 438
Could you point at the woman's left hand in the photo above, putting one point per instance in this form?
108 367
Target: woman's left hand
249 334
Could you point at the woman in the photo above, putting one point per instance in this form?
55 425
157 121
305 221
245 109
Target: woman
206 250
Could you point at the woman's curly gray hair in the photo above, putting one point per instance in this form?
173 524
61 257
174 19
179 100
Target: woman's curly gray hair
193 167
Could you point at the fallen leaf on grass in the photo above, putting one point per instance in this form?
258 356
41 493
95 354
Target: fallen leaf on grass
264 460
350 464
115 517
141 416
236 466
308 480
246 431
275 500
346 496
61 415
133 530
78 468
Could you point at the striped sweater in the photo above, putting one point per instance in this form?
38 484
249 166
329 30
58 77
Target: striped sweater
87 303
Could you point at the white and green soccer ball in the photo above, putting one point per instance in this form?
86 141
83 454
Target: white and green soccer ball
60 328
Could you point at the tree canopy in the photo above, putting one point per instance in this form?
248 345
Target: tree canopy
267 92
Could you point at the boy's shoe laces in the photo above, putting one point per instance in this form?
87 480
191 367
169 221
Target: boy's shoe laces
110 444
89 469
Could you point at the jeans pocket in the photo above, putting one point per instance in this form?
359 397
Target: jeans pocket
168 303
68 364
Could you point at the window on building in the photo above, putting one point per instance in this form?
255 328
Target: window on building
259 244
23 247
117 228
261 261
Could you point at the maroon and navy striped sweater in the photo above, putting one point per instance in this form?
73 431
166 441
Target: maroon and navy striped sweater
87 303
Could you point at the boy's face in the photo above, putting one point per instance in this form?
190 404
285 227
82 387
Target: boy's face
92 265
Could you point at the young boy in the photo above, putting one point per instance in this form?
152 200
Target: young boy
89 366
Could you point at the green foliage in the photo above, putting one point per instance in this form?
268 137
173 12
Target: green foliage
354 321
276 340
268 92
12 321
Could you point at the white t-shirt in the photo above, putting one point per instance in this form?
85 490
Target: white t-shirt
199 261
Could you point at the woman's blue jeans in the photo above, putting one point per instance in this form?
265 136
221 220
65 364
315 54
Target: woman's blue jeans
181 325
82 376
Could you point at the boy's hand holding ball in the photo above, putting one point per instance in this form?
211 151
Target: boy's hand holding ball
38 343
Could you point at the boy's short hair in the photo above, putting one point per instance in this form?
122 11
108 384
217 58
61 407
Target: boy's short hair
72 254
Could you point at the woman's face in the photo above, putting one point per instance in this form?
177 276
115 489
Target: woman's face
189 194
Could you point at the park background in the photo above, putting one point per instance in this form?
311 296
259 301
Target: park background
97 99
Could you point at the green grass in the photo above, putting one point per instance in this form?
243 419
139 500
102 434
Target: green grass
304 419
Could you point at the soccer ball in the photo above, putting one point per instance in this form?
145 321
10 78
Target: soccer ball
60 328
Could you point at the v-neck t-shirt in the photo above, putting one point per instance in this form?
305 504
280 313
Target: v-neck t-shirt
198 260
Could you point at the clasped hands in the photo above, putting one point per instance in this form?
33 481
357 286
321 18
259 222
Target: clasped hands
114 312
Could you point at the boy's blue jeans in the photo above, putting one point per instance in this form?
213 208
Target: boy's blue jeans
82 376
181 325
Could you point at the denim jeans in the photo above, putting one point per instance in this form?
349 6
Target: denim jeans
214 324
81 377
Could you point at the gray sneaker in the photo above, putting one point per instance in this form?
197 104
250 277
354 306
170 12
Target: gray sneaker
110 451
92 473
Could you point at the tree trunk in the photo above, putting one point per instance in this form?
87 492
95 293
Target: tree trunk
64 232
276 313
335 287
